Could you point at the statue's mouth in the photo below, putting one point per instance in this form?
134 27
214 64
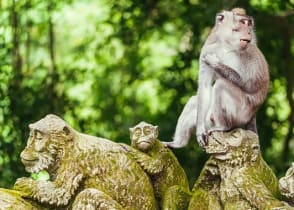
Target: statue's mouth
29 161
145 142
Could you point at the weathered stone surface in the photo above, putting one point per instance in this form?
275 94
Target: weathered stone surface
98 171
88 172
236 176
12 200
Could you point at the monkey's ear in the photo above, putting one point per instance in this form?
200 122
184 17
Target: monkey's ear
155 132
255 152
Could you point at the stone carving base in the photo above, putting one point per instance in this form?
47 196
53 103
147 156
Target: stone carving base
87 172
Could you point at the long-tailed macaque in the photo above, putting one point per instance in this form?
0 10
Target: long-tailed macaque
233 81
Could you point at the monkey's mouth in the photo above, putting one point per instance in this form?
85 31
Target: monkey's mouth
244 42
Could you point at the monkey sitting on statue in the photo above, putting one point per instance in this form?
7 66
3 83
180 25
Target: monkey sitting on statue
168 177
233 81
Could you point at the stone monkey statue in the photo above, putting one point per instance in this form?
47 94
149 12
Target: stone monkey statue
86 172
168 177
236 176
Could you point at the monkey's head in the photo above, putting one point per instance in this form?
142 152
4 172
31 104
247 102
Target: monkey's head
236 147
143 136
47 139
286 184
234 29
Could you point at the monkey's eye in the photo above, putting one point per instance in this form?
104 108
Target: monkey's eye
250 22
247 22
220 18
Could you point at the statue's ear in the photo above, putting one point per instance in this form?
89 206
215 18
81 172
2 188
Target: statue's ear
255 152
155 132
131 132
68 132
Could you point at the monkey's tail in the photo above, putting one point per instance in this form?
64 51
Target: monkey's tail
186 124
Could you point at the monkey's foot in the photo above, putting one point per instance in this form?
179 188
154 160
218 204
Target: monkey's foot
202 140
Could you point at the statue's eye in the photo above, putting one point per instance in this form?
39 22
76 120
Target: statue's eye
147 130
137 132
38 136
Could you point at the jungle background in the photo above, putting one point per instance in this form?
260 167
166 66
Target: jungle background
105 65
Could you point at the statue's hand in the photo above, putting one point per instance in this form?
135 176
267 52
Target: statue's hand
25 186
125 147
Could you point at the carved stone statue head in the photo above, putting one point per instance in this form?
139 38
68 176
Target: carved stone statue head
237 145
143 136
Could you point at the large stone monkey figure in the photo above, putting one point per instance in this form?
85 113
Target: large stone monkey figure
233 81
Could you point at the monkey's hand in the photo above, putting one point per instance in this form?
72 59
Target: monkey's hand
211 59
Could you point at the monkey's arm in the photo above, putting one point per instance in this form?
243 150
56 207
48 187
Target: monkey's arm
229 73
149 164
204 94
57 192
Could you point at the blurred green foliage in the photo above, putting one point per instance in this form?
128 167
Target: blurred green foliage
106 65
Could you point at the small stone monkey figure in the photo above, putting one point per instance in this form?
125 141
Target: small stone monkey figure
168 177
286 185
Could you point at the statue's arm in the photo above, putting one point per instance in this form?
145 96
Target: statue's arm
255 191
151 165
57 192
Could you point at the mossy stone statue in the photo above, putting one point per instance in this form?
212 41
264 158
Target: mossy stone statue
86 172
168 177
236 177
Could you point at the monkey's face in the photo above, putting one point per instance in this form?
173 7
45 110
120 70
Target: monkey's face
234 30
143 136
